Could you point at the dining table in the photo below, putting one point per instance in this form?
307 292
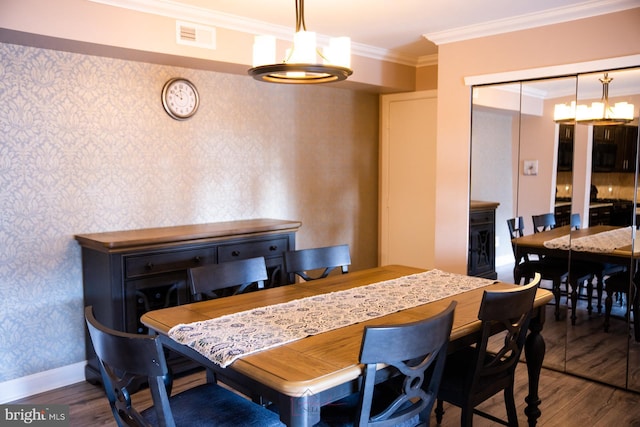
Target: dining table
302 375
597 244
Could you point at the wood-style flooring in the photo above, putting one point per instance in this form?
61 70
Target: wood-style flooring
567 401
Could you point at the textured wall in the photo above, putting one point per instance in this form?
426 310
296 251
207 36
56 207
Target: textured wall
85 146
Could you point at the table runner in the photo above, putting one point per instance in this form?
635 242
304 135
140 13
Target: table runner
227 338
604 242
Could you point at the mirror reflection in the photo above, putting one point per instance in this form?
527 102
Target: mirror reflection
579 177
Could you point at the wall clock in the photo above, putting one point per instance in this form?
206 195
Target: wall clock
180 98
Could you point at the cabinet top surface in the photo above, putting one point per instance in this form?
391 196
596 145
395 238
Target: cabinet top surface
150 236
477 204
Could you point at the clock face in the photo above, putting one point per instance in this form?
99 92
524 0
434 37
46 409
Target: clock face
180 98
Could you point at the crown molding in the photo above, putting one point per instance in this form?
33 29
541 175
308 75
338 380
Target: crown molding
532 20
212 18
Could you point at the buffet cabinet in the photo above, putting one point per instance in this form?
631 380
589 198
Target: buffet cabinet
481 260
127 273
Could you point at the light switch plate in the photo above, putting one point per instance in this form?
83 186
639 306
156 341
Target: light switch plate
531 167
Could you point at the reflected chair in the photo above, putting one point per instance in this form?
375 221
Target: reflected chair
316 263
227 278
555 270
124 358
600 270
475 374
415 354
621 284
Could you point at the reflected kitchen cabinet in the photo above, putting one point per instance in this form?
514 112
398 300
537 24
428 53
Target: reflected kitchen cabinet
614 148
565 147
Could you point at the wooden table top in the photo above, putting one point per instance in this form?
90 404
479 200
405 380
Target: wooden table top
536 240
319 362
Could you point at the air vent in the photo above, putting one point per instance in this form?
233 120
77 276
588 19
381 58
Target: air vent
191 34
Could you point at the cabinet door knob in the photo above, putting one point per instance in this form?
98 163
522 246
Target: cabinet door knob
273 248
235 253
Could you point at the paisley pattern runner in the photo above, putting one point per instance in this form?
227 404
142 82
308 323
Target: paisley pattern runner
227 338
605 242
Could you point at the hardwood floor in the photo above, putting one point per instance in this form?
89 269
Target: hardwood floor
567 401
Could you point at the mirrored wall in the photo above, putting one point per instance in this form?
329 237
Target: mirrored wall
533 156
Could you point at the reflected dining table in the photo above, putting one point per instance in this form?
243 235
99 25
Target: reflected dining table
301 376
622 254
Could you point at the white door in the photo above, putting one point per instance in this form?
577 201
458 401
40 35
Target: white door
407 166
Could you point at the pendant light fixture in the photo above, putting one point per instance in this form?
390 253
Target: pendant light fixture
301 64
598 113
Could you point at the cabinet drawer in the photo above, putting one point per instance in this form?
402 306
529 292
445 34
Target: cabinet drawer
481 217
265 248
143 265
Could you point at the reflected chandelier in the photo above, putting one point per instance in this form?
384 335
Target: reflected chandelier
599 113
301 60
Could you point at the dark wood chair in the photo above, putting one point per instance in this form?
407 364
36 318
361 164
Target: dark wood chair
576 274
416 352
554 270
227 278
543 222
125 358
600 270
475 374
620 284
316 263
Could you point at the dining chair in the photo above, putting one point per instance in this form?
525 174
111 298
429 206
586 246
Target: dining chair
316 263
124 358
543 222
622 285
523 266
476 373
600 270
570 272
226 278
416 353
554 270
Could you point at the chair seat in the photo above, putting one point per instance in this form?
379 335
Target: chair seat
211 405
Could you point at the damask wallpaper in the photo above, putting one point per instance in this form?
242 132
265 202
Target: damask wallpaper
85 146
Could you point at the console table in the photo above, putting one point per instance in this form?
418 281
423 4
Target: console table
127 273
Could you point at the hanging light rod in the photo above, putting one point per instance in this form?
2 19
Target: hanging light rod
599 113
301 64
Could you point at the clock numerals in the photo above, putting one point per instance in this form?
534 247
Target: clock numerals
180 98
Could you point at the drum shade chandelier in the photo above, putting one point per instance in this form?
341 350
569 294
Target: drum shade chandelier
598 113
301 63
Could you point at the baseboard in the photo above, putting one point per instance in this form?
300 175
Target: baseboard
22 387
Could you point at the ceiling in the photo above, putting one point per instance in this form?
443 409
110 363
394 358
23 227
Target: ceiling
408 30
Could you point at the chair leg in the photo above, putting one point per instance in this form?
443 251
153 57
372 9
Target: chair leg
589 296
608 303
510 403
466 417
439 411
556 294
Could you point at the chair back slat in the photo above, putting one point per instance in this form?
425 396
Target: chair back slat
543 222
227 278
417 351
511 311
306 263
